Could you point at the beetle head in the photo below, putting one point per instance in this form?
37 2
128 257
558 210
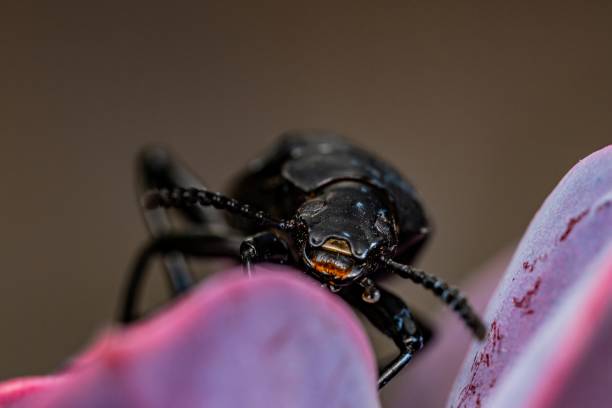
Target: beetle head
348 227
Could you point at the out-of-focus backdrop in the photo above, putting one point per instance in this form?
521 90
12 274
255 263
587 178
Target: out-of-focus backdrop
484 107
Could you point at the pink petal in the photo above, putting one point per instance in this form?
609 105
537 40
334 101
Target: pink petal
20 392
568 233
436 367
275 340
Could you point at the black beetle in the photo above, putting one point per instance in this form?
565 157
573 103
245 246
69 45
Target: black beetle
333 210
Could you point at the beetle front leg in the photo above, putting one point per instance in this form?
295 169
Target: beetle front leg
156 168
263 247
393 318
197 245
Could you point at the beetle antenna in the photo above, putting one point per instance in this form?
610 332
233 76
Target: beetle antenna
179 197
451 296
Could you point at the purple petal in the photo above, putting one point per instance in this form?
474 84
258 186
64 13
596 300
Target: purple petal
275 340
568 363
568 233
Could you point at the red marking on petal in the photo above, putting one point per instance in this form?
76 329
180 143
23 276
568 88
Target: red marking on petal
529 266
482 358
572 223
495 337
525 301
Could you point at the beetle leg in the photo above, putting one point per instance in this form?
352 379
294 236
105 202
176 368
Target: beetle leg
157 169
262 247
410 347
393 318
200 245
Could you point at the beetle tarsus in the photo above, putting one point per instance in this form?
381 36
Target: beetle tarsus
395 366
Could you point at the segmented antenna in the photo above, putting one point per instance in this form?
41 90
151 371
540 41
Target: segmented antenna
451 296
179 197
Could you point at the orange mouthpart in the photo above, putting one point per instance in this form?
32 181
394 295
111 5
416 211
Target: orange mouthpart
331 268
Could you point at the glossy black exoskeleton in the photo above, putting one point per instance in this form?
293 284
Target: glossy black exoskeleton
333 210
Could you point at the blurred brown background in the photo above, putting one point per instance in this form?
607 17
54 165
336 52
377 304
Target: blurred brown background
483 106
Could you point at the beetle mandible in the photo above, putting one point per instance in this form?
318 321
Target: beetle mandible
333 210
